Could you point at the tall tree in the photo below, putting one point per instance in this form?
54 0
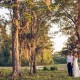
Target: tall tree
34 30
15 42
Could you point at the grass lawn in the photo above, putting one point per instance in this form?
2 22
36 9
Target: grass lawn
60 74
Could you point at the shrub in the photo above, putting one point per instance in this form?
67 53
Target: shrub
45 69
53 68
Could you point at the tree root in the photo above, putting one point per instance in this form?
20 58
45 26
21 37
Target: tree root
14 75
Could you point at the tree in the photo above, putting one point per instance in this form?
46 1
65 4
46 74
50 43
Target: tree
68 17
15 41
34 29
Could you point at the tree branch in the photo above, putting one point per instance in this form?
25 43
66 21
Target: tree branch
69 16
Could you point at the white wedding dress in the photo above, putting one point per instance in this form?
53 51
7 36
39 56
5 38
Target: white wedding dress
76 71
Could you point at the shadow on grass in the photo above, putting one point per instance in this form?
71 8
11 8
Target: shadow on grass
41 75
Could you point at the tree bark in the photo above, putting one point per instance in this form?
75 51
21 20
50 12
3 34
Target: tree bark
15 43
34 56
34 63
30 60
78 24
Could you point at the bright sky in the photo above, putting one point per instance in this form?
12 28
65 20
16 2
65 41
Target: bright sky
4 12
58 39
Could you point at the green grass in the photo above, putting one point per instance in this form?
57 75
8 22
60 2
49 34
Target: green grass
42 75
60 74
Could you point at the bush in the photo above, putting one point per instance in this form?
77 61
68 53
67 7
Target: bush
45 69
53 68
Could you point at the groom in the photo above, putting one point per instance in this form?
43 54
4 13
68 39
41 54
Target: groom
69 63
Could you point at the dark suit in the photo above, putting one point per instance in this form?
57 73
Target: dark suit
69 66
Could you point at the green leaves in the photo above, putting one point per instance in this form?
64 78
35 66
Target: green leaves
29 3
28 16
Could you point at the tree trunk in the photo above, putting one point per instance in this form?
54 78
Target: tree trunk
15 43
20 51
34 63
78 26
15 53
30 59
33 56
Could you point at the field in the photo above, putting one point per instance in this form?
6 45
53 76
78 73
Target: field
60 74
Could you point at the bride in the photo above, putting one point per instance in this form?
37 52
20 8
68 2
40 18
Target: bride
76 71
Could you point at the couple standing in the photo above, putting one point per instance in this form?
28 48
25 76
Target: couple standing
72 64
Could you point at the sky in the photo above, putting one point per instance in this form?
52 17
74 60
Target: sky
58 40
4 12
